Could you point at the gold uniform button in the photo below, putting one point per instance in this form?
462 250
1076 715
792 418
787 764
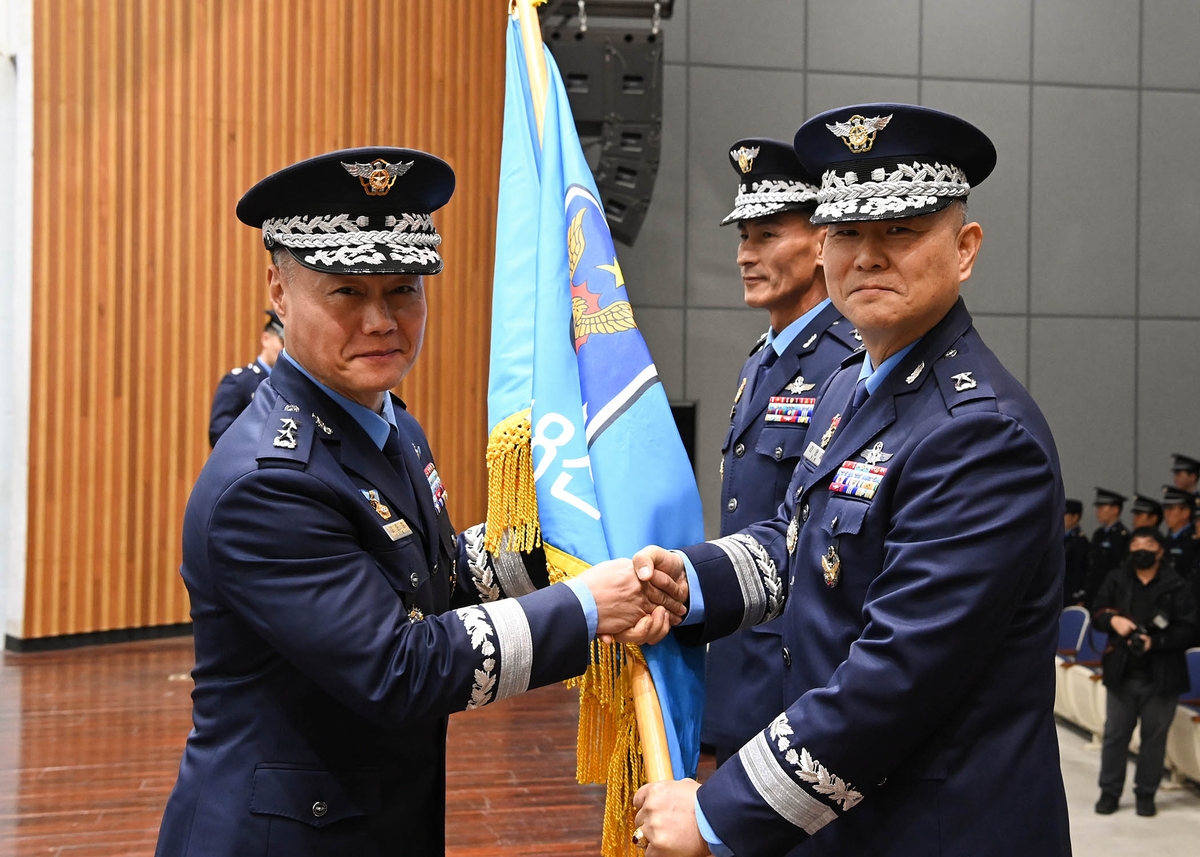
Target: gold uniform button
320 808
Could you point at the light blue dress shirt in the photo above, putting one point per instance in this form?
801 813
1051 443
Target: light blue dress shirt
780 341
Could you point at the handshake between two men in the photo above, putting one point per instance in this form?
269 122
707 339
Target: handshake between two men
638 600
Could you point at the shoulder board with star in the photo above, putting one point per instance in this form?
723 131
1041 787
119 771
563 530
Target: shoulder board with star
961 381
762 340
287 437
846 333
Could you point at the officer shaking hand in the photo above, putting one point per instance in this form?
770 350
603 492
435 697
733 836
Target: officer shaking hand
339 618
916 561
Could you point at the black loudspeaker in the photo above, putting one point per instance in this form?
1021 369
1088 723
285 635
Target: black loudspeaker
613 79
685 420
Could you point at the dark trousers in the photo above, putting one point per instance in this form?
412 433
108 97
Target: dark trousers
1134 699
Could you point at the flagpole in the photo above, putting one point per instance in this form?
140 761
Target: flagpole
535 61
656 752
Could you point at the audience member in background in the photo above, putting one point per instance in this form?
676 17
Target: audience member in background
238 386
1186 472
1076 543
1110 542
1178 507
1146 512
1149 614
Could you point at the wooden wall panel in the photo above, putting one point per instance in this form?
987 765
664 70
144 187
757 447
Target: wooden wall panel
151 118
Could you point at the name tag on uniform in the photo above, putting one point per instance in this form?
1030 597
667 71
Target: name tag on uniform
813 454
790 409
397 530
857 479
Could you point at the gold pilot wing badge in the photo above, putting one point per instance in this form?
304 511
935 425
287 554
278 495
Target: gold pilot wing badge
745 158
858 133
378 176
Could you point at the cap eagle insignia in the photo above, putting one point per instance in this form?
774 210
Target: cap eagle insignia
378 176
587 316
859 133
745 158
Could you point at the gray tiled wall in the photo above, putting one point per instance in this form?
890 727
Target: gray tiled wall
1086 287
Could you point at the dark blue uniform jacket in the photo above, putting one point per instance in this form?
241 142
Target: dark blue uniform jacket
321 693
744 671
233 395
922 680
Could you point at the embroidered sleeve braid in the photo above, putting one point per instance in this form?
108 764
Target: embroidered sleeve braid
794 784
500 634
479 564
757 576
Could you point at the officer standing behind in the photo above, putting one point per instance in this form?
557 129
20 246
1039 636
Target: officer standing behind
779 254
1110 542
1185 471
1075 545
321 563
236 389
1149 614
917 559
1178 507
1146 512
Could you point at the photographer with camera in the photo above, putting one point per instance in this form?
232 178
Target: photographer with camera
1149 614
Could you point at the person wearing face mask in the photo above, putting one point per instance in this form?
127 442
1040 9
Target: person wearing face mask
1149 614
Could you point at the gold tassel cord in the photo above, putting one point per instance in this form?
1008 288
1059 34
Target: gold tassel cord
512 517
609 749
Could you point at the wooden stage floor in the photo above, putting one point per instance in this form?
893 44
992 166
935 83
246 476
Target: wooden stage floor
90 741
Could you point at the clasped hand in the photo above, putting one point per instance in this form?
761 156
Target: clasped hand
638 600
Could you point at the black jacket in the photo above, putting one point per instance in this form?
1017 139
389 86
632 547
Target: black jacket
1169 595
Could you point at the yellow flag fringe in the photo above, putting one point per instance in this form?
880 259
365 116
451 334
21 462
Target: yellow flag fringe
512 518
609 750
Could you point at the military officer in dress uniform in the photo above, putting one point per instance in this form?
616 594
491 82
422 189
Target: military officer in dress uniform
1075 546
1185 471
1179 505
1110 542
779 254
1146 512
237 387
337 613
917 560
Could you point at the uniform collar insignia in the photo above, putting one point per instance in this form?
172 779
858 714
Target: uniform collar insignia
858 133
810 341
916 373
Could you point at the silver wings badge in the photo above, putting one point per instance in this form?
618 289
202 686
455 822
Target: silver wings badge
378 176
875 455
798 386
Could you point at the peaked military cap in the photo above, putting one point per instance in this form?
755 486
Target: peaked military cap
1074 507
1185 463
273 325
1145 505
354 211
888 161
1104 497
771 180
1173 496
